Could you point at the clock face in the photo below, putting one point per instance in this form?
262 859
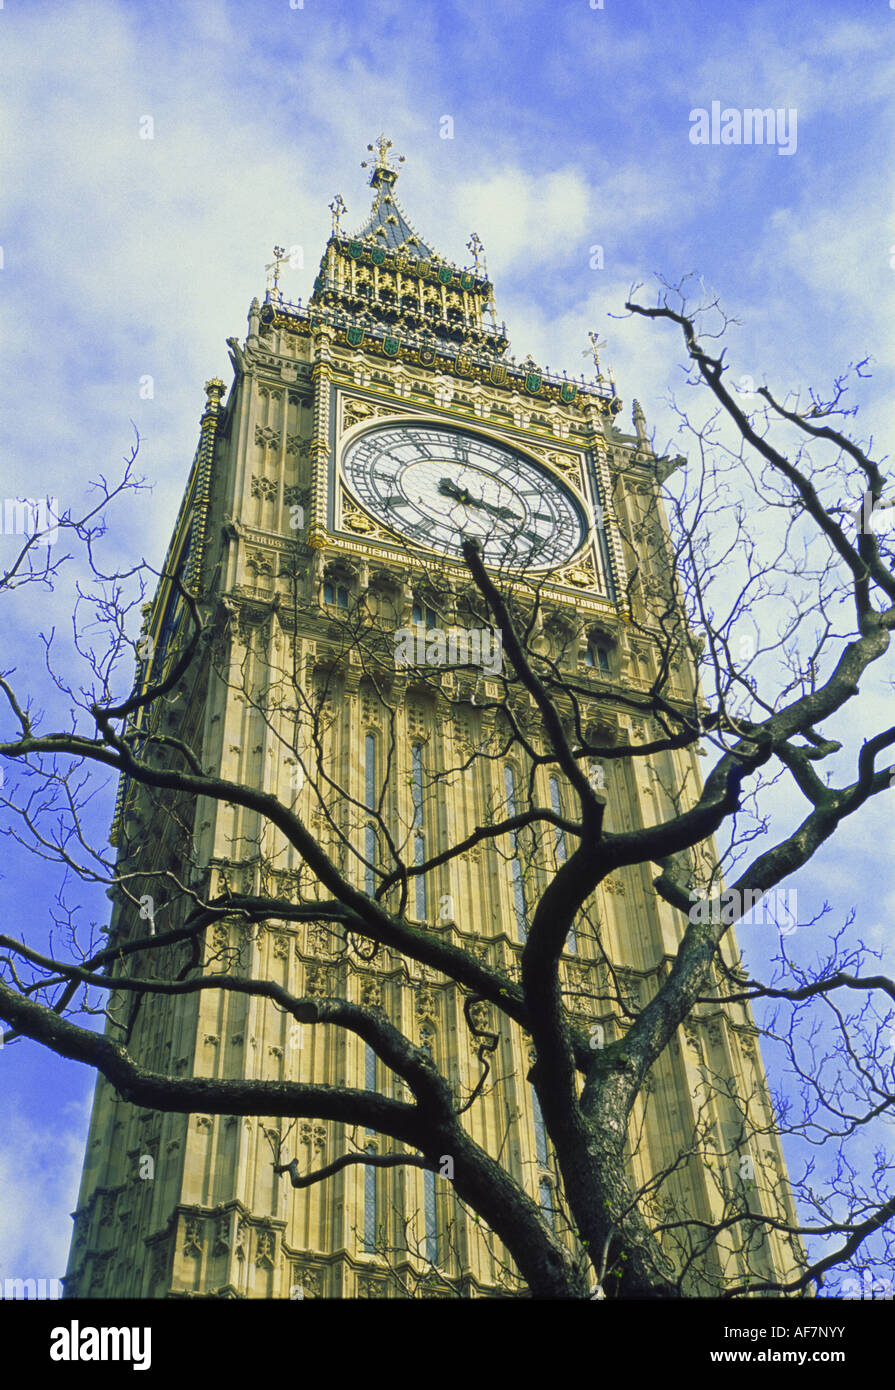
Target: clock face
438 486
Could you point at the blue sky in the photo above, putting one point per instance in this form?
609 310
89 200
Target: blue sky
125 257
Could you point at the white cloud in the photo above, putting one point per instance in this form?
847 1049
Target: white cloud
528 216
40 1171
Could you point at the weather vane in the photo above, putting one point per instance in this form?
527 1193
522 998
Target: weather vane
273 270
475 245
337 207
596 347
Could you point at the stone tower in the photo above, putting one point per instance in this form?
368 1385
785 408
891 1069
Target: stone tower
328 485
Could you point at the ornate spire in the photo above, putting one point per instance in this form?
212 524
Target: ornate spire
384 279
639 422
383 175
386 225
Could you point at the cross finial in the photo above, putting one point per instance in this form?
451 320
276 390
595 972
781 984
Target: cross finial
383 172
474 244
337 207
273 270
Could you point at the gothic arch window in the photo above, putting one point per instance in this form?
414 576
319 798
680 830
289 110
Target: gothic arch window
370 841
370 856
546 1202
560 847
419 839
370 772
371 1209
545 1181
540 1129
518 887
430 1201
556 807
369 1071
371 1203
430 1212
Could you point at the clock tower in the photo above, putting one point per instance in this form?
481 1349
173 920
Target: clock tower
353 671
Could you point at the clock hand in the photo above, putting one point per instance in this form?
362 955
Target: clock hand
502 513
448 489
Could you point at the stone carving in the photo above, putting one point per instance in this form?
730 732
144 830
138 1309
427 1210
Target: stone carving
425 1002
316 981
691 1033
360 523
319 943
159 1270
354 411
264 1257
312 1134
222 1235
266 437
259 563
371 993
309 1279
564 463
369 1286
264 488
98 1275
192 1240
480 1014
629 988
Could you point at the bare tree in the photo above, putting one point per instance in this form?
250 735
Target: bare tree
758 601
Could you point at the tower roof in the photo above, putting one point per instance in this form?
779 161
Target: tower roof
387 225
386 280
384 291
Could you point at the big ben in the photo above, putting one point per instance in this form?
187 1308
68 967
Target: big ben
395 538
